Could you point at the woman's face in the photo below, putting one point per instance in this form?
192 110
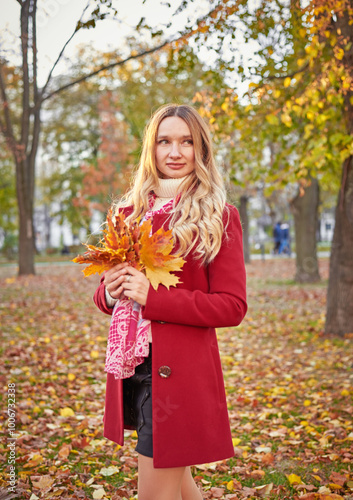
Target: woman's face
175 155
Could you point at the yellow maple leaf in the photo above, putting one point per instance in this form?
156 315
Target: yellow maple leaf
293 478
230 485
162 275
67 412
35 460
334 486
155 255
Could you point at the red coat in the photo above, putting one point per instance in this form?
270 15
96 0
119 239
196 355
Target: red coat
190 417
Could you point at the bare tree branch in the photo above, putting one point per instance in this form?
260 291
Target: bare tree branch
3 129
9 139
25 71
287 75
7 129
36 122
62 51
131 57
106 67
34 50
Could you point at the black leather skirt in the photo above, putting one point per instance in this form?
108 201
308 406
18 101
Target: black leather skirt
138 405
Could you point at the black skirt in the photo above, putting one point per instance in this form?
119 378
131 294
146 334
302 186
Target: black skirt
137 397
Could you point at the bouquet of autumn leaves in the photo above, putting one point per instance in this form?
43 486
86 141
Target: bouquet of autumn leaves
134 243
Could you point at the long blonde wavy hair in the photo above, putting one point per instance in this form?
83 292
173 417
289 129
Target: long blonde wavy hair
197 216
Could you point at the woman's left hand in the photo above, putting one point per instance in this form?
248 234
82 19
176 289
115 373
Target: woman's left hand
135 285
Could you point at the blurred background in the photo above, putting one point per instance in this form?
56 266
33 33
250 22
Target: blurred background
273 79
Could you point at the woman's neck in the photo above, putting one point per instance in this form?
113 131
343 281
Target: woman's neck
168 188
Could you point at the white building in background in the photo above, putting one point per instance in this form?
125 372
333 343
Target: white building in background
327 225
52 232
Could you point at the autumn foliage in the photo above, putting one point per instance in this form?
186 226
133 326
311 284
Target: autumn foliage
289 393
107 174
134 243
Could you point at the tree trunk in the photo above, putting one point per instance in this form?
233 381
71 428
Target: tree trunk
25 210
305 211
243 212
47 221
339 314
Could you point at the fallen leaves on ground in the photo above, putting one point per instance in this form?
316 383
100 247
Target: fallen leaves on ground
289 391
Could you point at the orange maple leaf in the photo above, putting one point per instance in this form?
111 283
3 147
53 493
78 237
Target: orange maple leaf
134 243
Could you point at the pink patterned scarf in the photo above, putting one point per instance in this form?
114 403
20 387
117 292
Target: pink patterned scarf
128 333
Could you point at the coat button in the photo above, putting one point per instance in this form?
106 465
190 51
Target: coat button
164 371
161 322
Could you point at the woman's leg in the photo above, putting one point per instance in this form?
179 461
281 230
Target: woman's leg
158 484
175 483
189 490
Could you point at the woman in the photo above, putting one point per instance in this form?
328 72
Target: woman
182 417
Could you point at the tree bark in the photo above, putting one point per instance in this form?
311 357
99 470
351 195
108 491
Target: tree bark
339 313
27 146
305 211
25 211
243 212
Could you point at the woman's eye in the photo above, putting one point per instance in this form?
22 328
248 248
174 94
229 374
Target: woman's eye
163 141
188 141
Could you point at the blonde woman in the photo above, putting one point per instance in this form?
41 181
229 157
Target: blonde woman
164 373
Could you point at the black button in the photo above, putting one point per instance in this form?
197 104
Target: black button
164 371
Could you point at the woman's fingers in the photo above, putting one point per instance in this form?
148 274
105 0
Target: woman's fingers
135 285
113 279
128 280
115 272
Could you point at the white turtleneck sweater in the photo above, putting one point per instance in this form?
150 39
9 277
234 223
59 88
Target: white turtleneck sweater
166 191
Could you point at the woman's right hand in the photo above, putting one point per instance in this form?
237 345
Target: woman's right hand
113 279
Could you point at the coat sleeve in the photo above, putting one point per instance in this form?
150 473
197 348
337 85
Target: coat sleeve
99 298
223 305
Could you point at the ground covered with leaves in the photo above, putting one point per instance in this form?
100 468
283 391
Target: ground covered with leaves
289 391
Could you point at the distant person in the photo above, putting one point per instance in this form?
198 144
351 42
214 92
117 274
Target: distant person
284 240
65 250
277 237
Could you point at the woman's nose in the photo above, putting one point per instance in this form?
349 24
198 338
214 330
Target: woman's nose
174 152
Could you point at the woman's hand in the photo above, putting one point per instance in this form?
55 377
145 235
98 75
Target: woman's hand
124 279
113 280
135 285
